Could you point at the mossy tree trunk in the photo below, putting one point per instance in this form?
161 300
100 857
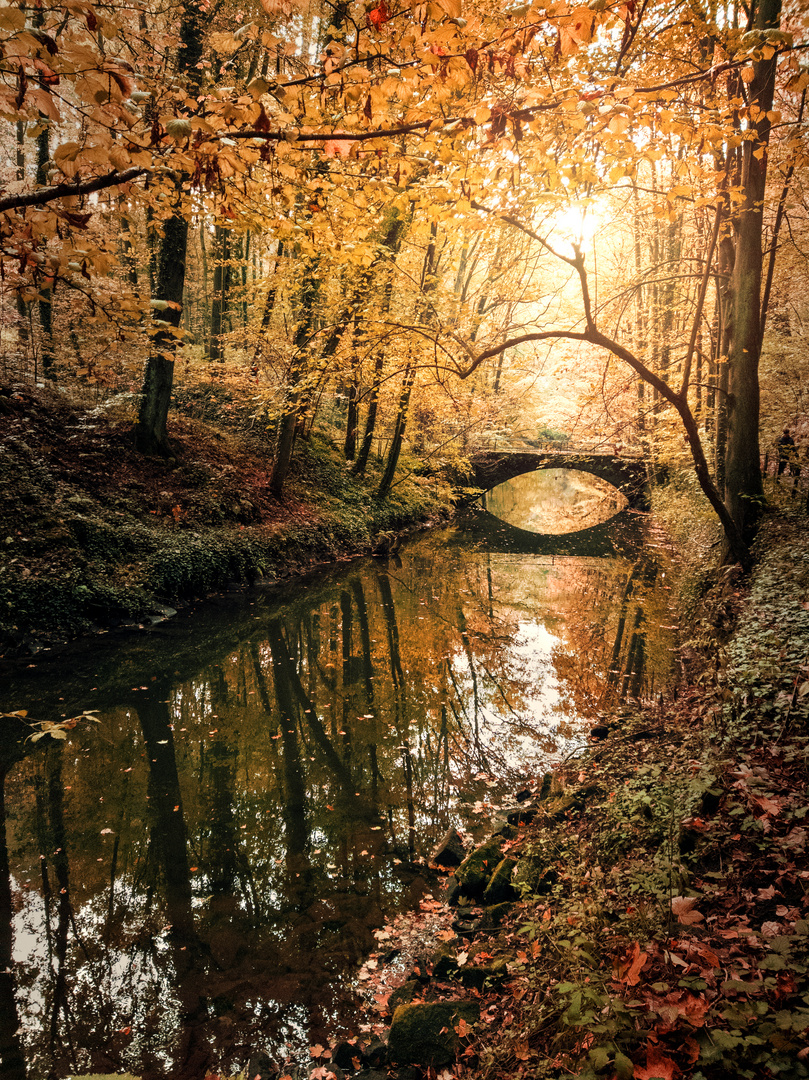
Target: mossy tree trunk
308 296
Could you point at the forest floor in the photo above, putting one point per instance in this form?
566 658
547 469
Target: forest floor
95 534
663 929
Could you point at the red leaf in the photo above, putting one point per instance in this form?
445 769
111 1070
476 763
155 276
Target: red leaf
379 15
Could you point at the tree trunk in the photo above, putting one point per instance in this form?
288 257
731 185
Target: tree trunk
288 423
370 418
269 304
128 256
151 435
429 272
287 428
150 432
219 303
352 417
398 431
23 311
45 302
743 484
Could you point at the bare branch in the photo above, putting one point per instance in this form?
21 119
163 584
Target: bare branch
61 191
517 224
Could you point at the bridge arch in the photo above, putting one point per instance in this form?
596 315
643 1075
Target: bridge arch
628 474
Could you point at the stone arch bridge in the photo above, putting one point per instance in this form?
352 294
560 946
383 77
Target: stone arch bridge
629 474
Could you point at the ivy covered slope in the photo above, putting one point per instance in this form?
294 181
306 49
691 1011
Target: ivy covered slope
665 930
95 534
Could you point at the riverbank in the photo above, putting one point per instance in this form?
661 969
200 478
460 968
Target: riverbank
95 535
661 927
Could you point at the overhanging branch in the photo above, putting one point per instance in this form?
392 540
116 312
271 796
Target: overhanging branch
45 195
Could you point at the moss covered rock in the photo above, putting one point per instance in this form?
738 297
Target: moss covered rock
426 1033
499 888
403 994
480 975
474 872
495 915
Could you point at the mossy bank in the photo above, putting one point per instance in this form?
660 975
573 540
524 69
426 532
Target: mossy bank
96 535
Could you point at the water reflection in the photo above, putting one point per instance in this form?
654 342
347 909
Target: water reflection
190 879
555 501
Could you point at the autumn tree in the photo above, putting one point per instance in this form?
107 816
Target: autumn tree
456 117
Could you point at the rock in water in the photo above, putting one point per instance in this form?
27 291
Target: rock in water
259 1067
450 851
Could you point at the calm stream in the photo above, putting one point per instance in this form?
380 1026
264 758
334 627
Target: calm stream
196 876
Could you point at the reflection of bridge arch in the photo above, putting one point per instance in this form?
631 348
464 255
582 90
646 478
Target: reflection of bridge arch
620 536
628 474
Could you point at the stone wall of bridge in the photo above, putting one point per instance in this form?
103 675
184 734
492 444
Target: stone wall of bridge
628 474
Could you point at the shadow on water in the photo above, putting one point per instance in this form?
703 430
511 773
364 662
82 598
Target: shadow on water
196 876
622 535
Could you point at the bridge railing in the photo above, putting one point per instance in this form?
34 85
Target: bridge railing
599 450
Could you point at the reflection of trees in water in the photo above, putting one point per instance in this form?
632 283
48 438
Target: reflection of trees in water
616 643
262 806
12 1060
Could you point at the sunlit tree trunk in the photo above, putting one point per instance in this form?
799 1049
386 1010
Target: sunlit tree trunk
203 249
639 335
243 254
428 283
361 462
269 304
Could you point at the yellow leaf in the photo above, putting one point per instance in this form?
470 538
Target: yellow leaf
67 151
12 18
